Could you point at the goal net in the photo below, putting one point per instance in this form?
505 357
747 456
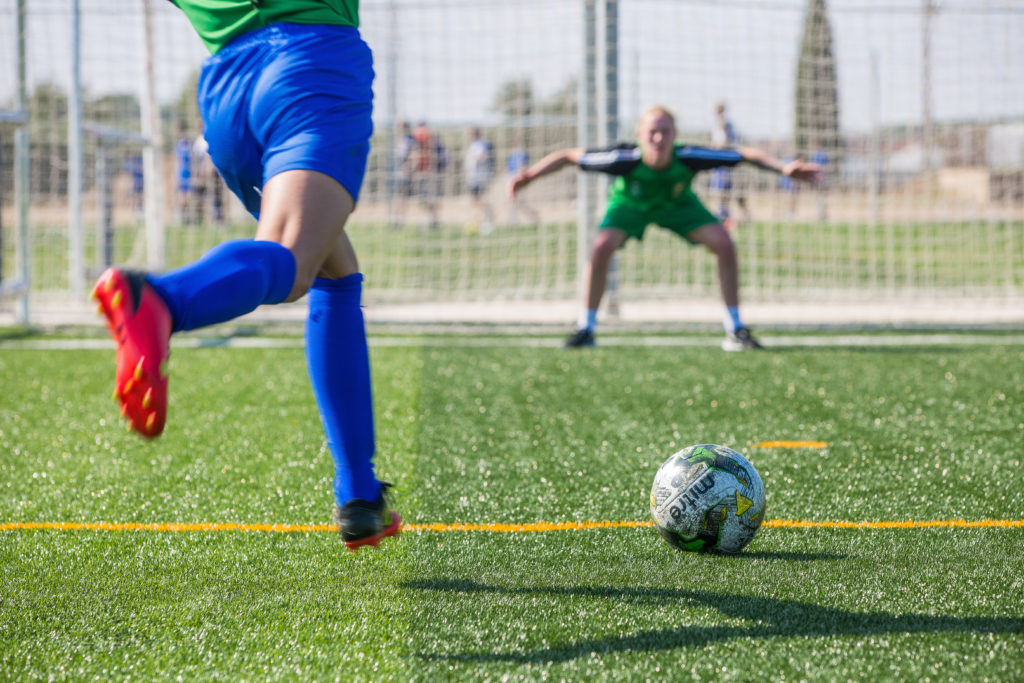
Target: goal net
914 107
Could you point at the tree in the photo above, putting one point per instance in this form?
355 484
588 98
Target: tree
817 91
48 132
119 111
514 99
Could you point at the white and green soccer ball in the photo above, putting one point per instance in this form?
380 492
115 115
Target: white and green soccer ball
707 498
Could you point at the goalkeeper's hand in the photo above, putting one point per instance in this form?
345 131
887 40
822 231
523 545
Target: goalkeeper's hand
521 180
803 171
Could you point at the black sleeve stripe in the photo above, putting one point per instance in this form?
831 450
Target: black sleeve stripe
618 160
702 158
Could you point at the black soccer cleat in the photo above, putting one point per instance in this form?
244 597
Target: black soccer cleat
740 340
579 339
362 522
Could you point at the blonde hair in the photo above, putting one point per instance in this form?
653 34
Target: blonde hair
660 111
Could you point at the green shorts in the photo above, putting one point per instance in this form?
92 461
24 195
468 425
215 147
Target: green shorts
681 218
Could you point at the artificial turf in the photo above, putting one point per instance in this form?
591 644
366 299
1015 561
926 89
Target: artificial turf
507 433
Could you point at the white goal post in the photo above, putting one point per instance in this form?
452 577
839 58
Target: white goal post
916 107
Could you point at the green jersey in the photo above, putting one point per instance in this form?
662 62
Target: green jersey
218 22
641 187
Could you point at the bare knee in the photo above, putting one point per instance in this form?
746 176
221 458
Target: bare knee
604 248
723 248
302 284
306 273
306 211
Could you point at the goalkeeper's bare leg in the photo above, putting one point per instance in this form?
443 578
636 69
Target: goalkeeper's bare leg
718 241
606 243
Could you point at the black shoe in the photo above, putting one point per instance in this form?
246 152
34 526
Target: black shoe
740 340
362 522
579 339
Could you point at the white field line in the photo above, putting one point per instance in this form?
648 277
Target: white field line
508 341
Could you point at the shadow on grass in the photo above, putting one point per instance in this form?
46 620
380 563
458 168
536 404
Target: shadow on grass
769 618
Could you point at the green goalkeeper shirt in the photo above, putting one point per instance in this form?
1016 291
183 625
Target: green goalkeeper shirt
218 22
638 185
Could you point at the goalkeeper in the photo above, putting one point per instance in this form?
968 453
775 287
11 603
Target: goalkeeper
286 100
652 184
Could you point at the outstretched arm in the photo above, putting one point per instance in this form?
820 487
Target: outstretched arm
798 169
549 164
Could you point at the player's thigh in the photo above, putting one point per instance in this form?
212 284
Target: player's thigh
607 241
341 261
306 212
713 236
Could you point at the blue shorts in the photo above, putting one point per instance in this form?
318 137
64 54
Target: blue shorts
288 97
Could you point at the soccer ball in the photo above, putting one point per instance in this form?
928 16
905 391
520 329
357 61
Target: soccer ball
707 498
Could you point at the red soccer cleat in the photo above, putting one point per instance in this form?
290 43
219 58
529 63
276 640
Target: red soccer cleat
140 324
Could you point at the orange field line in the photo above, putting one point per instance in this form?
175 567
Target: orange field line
498 528
792 444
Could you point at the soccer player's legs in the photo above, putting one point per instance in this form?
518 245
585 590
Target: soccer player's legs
339 370
619 224
306 210
699 226
715 237
610 239
314 164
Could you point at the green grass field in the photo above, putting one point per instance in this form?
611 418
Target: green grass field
507 431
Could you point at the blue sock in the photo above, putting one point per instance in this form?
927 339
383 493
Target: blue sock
230 280
732 320
339 369
587 320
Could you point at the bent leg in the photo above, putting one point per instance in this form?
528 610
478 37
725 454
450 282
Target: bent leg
230 280
606 243
301 219
306 212
717 240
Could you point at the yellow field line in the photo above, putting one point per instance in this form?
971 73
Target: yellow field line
908 524
496 528
792 444
533 526
166 526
